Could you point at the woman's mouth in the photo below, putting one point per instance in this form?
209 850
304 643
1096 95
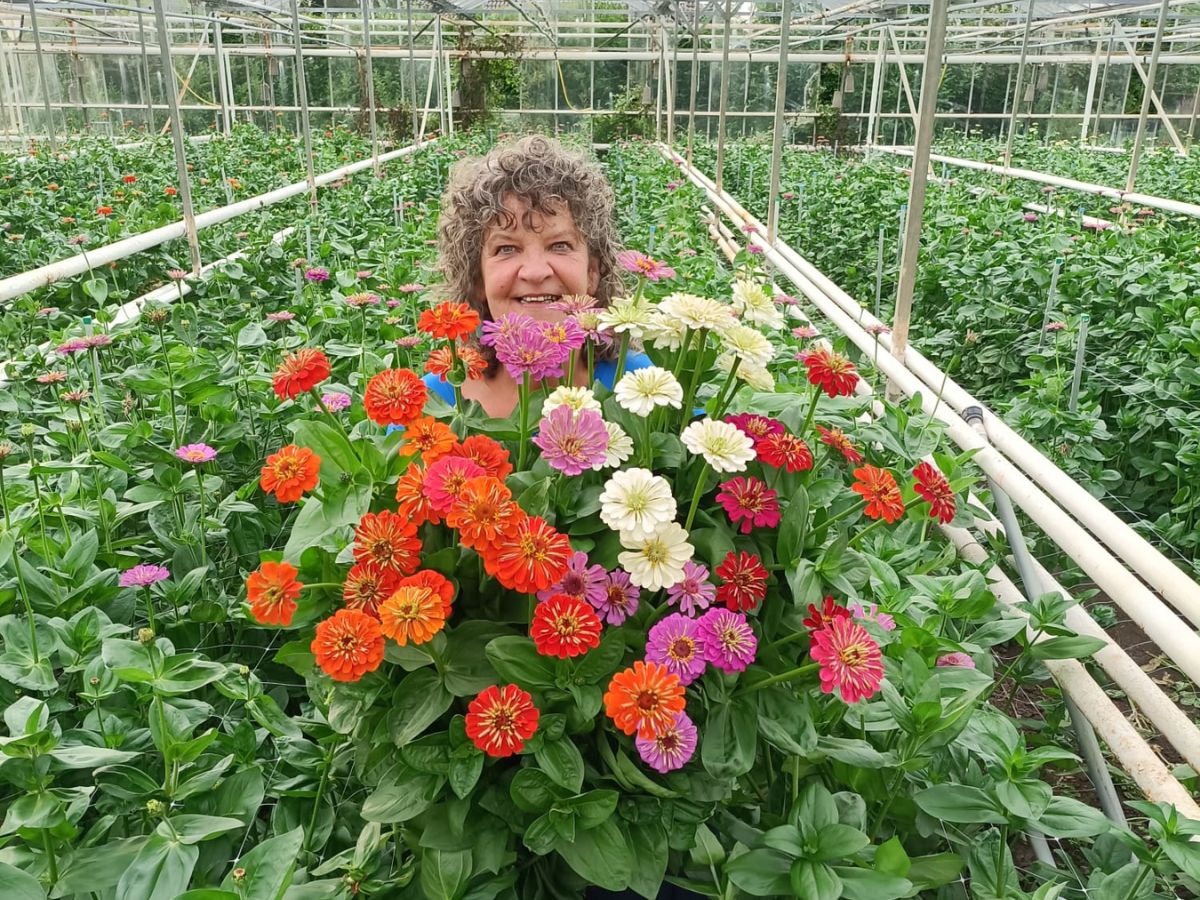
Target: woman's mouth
539 298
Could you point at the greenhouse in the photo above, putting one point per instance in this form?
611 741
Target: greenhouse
771 471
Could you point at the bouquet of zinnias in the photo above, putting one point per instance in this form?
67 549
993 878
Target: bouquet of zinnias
565 645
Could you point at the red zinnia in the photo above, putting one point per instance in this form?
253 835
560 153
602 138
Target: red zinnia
439 362
835 438
745 581
784 451
367 585
394 397
449 321
530 557
170 191
290 472
436 583
879 489
851 661
103 210
300 372
564 626
476 365
348 645
819 617
272 590
831 371
501 719
933 486
130 179
411 499
389 540
749 501
485 452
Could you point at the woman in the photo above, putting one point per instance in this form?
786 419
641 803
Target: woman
522 228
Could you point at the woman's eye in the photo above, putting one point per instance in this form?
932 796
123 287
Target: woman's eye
562 245
505 249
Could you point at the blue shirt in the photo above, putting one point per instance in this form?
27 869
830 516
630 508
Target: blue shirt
605 370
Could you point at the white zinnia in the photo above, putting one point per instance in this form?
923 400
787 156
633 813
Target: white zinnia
644 389
637 503
665 332
725 447
698 312
578 398
625 316
620 446
656 562
755 303
758 377
748 344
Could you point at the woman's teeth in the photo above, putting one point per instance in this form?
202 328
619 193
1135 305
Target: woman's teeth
539 298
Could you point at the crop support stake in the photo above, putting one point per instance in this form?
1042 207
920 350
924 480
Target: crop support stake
1080 346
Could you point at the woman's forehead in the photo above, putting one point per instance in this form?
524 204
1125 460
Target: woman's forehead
520 215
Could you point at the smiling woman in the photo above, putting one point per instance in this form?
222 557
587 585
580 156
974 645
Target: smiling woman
528 229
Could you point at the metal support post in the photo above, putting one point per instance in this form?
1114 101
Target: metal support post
1091 94
695 80
436 62
144 70
660 63
222 83
1080 349
876 91
1016 97
1104 79
1147 91
1192 120
672 67
41 64
724 96
302 90
970 102
1050 296
935 42
781 76
366 24
181 172
412 70
448 92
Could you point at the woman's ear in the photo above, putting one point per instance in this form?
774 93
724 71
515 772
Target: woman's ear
593 275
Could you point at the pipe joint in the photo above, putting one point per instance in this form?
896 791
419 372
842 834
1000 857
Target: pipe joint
973 415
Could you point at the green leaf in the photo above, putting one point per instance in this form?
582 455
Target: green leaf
517 661
269 867
599 664
601 856
192 829
593 808
1065 817
648 840
892 859
208 894
18 885
251 335
853 751
337 456
815 881
401 795
418 702
838 841
815 808
266 712
533 791
464 773
729 742
562 761
1066 647
160 871
444 874
864 884
319 520
96 869
187 672
959 803
761 873
793 528
84 757
933 871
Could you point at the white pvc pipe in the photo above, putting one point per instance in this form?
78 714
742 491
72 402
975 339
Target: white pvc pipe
1160 624
16 285
1158 571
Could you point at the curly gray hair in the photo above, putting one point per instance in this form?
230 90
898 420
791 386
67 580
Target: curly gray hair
547 177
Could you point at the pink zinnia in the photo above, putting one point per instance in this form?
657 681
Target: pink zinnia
673 643
365 298
581 581
851 662
393 303
47 310
754 426
572 442
873 614
96 340
566 333
671 748
643 265
620 598
282 316
754 249
445 478
728 640
317 273
525 350
143 575
409 341
74 345
196 453
750 502
52 377
957 659
411 288
803 332
335 401
1030 217
694 591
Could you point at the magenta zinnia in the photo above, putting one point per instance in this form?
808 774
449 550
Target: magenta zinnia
581 581
572 442
729 642
673 643
750 502
672 747
196 453
143 575
620 598
694 591
851 662
523 349
643 265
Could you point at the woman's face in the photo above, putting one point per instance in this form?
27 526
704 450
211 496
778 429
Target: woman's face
537 261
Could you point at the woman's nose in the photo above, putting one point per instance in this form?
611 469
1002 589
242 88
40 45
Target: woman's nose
535 267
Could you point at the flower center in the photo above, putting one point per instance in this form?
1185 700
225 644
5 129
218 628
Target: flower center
853 654
669 742
655 553
532 549
567 626
682 649
647 700
572 446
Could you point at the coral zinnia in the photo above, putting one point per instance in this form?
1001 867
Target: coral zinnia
850 660
831 371
367 585
530 558
750 502
290 472
436 582
879 489
487 453
445 479
564 626
429 437
348 645
394 397
835 438
482 512
745 581
449 321
412 613
300 372
388 540
784 451
501 719
271 590
644 699
933 486
412 501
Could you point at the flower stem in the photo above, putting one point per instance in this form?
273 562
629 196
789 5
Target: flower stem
790 675
162 341
458 401
690 397
524 404
51 858
200 495
620 358
150 609
812 409
696 495
4 498
728 390
33 638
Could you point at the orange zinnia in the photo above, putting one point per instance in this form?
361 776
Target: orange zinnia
501 719
529 557
300 372
449 321
367 585
878 487
394 397
290 472
439 362
485 452
271 590
442 586
348 645
476 365
644 699
413 502
482 511
413 613
429 437
388 540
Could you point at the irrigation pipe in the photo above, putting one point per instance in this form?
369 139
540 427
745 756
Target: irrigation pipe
1163 203
1158 571
25 282
1162 625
